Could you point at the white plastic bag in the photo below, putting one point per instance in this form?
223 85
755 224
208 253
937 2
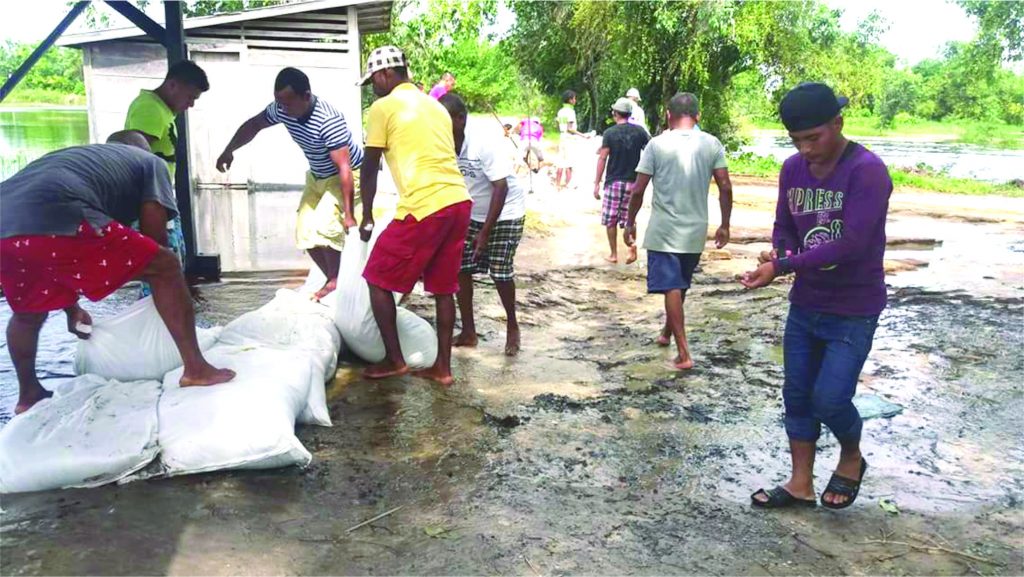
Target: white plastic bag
248 423
292 322
135 345
91 432
354 317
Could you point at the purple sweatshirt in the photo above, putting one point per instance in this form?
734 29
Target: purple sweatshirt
835 229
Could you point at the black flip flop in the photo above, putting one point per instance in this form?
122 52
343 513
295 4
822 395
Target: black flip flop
779 498
844 486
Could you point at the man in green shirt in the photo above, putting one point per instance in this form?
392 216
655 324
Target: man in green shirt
153 113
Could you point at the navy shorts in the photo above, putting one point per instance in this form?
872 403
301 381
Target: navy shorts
670 270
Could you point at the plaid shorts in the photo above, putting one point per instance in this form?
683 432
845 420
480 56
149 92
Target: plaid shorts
501 249
615 203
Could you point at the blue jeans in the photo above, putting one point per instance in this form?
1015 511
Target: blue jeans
823 356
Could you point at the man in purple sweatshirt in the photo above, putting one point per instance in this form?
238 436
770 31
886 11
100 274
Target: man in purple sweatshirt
830 232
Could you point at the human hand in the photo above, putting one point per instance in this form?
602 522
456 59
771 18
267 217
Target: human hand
629 235
480 243
597 191
79 322
721 236
349 222
761 276
224 160
366 229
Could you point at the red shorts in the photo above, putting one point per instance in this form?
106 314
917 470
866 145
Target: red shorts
430 248
42 273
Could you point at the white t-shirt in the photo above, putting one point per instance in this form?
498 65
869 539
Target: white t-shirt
483 160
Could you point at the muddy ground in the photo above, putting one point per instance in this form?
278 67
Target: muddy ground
585 455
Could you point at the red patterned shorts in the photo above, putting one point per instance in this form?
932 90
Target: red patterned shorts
42 273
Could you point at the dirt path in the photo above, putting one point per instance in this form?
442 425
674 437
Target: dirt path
586 455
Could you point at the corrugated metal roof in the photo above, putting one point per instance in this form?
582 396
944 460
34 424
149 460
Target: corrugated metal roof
306 25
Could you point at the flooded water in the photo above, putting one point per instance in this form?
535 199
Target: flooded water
26 134
958 160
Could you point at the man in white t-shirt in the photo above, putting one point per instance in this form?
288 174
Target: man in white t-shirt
637 117
496 222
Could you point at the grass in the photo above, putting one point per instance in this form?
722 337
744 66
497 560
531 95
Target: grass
993 134
921 178
38 97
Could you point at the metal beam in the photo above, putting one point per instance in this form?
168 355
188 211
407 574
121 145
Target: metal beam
45 45
139 18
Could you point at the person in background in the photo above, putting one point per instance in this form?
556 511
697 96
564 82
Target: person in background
620 150
496 221
567 134
444 85
333 155
680 162
830 232
531 134
64 233
637 117
426 238
153 113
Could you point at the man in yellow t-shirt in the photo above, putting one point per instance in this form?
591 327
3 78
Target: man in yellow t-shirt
153 112
414 134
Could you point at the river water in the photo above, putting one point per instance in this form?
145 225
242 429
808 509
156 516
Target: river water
27 134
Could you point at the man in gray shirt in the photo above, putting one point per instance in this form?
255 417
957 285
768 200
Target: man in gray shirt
64 233
681 161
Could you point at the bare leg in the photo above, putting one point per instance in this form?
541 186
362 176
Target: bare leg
849 467
468 337
441 372
677 323
801 481
385 313
507 293
558 178
665 337
23 343
568 177
612 234
330 262
170 295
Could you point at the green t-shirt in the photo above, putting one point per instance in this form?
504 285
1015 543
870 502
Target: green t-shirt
150 115
680 163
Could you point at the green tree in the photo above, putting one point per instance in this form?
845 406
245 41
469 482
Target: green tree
59 70
1000 27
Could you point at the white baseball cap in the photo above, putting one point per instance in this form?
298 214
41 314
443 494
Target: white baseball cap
633 93
381 59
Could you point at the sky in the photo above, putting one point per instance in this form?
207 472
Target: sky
918 28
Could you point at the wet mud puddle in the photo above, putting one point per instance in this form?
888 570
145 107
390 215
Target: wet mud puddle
586 455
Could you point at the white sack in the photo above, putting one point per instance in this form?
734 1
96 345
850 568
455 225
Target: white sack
354 316
91 432
248 423
135 345
292 322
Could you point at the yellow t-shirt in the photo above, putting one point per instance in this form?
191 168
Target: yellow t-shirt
415 132
150 115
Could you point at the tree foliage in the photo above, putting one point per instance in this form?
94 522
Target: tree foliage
59 70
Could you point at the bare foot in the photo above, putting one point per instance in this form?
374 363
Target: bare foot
385 369
512 342
465 339
681 365
663 340
443 378
325 290
632 255
614 259
206 375
26 403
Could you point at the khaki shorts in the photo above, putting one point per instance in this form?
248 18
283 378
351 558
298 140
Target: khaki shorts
320 215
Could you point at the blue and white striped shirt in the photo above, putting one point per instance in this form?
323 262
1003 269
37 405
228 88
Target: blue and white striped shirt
322 130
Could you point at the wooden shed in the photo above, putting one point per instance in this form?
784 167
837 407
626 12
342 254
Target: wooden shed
244 215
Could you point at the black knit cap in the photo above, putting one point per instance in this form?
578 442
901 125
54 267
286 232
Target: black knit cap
810 105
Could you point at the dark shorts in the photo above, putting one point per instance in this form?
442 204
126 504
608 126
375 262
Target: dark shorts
42 273
670 270
430 248
497 258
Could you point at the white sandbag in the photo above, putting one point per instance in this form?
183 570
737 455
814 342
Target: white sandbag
248 423
291 322
135 345
91 432
354 316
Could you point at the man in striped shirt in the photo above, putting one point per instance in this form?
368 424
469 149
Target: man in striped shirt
323 135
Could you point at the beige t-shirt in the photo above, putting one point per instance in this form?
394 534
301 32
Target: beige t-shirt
680 163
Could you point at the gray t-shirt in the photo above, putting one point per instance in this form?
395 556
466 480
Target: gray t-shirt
680 163
97 183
